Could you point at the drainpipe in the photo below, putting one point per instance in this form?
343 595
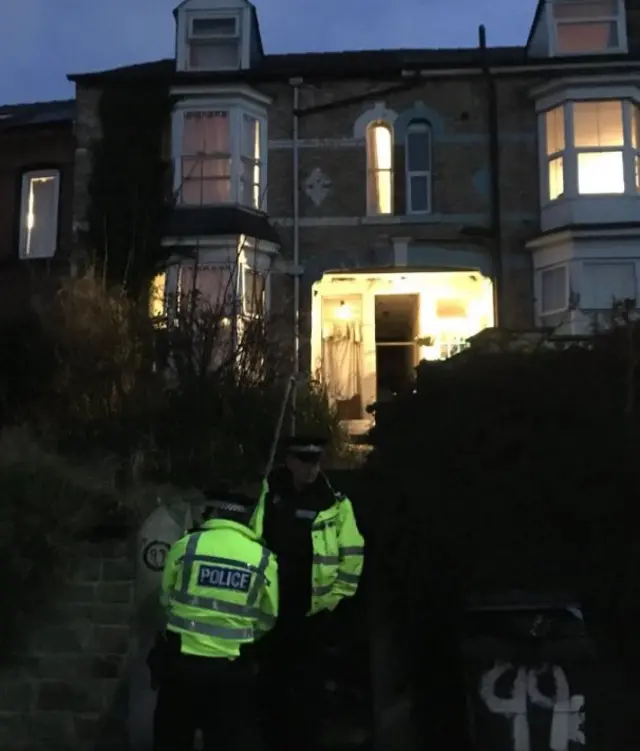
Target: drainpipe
494 161
295 83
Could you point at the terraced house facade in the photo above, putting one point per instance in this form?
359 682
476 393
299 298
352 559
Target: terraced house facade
401 201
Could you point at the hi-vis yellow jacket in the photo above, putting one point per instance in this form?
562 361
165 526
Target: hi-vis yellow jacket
338 551
220 589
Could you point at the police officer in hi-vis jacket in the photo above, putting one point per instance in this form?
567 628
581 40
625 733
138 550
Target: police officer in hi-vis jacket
312 530
220 592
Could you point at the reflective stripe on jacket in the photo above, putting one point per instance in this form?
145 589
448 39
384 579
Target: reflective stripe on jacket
220 589
338 551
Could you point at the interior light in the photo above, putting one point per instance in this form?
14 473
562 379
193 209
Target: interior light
383 155
600 172
344 311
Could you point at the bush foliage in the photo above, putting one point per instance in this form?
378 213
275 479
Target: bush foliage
516 470
108 389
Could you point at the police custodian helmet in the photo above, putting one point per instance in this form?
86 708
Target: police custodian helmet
306 448
223 503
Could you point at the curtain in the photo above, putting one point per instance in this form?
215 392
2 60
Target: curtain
206 158
213 285
341 359
251 160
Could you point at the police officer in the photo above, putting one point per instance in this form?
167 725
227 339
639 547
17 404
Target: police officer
220 592
313 531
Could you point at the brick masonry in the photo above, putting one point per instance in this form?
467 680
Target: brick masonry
67 688
336 233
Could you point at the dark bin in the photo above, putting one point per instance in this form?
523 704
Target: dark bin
527 666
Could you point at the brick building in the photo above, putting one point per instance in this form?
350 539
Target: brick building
407 199
37 151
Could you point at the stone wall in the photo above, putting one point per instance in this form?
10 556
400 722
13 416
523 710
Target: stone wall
65 689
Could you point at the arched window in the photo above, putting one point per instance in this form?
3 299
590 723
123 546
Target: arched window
418 167
379 169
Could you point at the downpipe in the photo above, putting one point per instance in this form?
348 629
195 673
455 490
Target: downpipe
295 83
494 161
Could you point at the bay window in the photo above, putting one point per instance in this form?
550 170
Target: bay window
220 157
591 148
211 287
254 292
206 158
222 288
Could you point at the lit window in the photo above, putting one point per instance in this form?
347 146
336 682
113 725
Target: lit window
214 43
380 169
418 167
554 123
39 214
600 157
588 26
251 157
599 141
553 293
254 293
635 142
206 158
158 296
221 158
211 289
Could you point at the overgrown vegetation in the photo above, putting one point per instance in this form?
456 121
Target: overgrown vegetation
511 470
130 190
176 402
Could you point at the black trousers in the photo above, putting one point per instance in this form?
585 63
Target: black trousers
292 679
214 695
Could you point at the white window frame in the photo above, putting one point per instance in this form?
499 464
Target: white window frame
25 191
246 267
619 18
194 37
418 126
236 112
542 313
570 153
371 171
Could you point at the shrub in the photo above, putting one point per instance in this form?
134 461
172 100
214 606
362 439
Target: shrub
172 418
514 471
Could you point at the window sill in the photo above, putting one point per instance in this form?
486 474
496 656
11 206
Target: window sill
221 205
401 218
589 197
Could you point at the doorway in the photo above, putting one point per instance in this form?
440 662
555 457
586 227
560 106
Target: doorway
396 329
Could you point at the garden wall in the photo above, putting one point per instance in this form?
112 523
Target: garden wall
64 689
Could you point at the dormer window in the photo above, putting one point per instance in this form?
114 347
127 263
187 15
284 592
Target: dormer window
588 27
214 42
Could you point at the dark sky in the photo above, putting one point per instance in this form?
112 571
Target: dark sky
43 40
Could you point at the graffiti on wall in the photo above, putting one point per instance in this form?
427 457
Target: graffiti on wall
523 692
